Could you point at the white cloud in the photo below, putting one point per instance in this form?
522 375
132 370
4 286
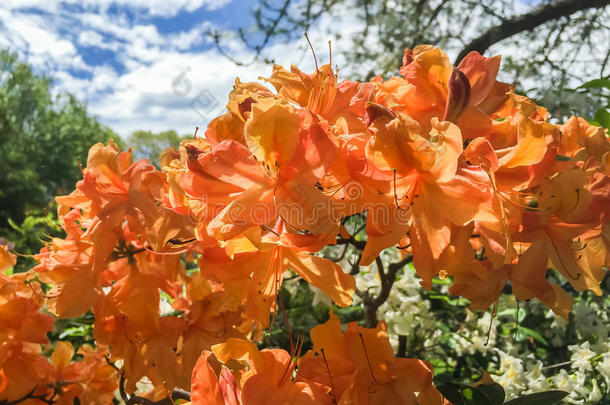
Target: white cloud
185 40
142 87
94 39
27 33
176 91
152 7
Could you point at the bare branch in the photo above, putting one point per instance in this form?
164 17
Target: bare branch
176 394
269 31
528 21
17 401
402 346
604 63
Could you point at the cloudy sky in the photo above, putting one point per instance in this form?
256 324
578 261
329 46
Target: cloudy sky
144 64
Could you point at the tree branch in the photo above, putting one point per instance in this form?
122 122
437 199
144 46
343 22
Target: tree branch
176 394
528 21
269 30
388 277
23 398
402 346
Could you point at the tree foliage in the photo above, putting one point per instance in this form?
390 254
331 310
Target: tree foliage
44 137
150 145
549 46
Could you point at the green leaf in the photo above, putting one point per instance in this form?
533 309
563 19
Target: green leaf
595 84
481 398
173 313
561 158
533 334
77 331
494 392
539 398
602 116
452 393
448 300
441 282
513 312
13 224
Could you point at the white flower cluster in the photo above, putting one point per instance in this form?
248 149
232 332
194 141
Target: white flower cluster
519 371
407 313
584 370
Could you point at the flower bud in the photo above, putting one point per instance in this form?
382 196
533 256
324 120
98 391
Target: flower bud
374 111
458 96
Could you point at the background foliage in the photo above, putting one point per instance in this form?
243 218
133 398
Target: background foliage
548 46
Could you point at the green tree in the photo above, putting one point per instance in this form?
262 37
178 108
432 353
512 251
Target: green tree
43 140
149 145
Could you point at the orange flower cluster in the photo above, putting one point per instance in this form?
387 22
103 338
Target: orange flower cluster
118 259
356 367
445 162
25 372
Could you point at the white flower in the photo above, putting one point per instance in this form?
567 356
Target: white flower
604 367
572 383
165 304
512 384
144 385
509 363
581 355
595 394
512 377
558 321
320 296
405 311
563 381
536 381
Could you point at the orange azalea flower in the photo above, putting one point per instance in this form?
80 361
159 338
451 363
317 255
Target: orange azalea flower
114 192
91 379
429 182
252 272
23 328
7 259
359 367
230 125
268 378
352 367
280 183
316 91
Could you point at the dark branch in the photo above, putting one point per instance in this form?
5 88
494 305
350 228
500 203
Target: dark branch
358 244
134 399
388 277
402 346
269 30
176 394
387 280
528 21
26 396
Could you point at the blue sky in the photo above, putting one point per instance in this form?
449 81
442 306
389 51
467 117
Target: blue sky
140 64
148 64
